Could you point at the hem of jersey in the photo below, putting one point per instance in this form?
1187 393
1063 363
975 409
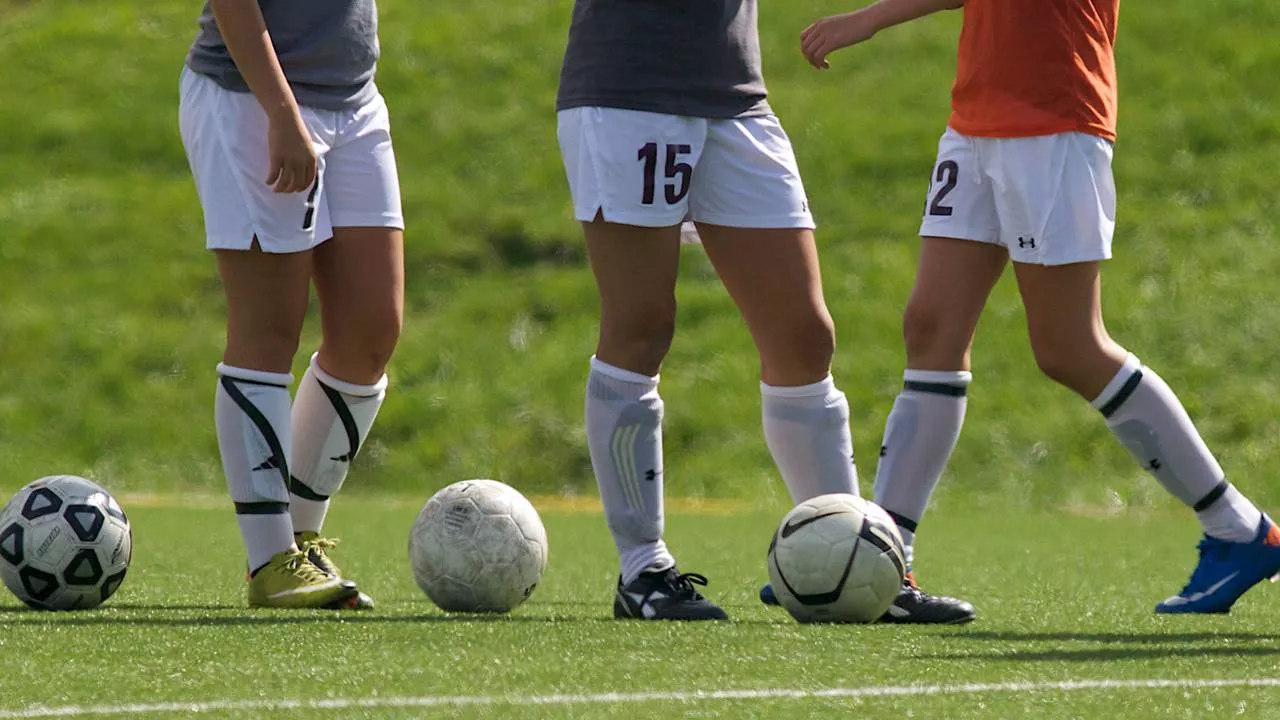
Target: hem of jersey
948 231
373 220
772 222
757 109
1100 131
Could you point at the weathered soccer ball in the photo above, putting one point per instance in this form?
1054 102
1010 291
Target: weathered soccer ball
478 546
65 544
836 558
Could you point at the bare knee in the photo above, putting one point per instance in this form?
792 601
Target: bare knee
638 338
799 351
360 354
262 344
934 340
1085 366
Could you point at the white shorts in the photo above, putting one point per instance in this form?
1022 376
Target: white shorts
654 170
225 135
1049 199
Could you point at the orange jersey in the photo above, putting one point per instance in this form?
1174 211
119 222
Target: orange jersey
1036 67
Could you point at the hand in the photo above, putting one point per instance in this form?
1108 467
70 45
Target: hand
832 33
292 156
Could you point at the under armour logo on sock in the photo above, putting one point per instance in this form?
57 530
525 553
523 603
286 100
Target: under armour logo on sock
1154 464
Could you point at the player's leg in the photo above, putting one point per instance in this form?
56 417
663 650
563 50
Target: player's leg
953 280
1059 278
960 263
262 242
1241 546
630 216
752 214
359 278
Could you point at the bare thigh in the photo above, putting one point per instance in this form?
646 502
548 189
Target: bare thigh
359 277
954 278
774 277
267 298
635 270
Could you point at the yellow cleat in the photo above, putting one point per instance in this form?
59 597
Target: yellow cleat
290 580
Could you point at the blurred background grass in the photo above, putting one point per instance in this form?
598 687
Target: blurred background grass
111 316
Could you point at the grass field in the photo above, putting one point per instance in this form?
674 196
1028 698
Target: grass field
111 324
1062 598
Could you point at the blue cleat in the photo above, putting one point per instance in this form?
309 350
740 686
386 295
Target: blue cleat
1226 571
767 597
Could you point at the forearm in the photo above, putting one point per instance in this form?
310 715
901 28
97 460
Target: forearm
887 13
244 31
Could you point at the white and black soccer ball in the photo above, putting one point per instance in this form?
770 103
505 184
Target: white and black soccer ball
65 544
478 546
836 558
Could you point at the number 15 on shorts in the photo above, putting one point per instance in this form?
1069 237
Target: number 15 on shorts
677 174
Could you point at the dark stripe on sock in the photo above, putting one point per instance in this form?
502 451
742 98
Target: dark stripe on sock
262 508
348 422
1129 386
264 426
902 521
936 388
1212 497
297 488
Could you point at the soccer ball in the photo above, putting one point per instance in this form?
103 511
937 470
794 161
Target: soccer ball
65 544
478 546
836 558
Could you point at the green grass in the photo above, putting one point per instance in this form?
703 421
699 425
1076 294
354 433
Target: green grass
112 313
1060 596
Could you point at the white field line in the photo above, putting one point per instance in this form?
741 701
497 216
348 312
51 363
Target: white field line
427 701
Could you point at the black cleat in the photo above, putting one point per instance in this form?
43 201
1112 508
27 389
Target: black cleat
914 606
664 595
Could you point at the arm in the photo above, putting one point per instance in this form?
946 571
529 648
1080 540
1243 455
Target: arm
243 29
839 31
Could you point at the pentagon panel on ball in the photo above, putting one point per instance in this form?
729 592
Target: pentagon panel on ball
65 544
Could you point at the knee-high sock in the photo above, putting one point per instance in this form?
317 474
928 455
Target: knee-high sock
807 431
1150 421
624 434
251 414
331 420
919 436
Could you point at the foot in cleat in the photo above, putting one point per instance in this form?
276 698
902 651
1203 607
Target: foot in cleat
665 595
914 606
289 580
317 550
768 597
1226 571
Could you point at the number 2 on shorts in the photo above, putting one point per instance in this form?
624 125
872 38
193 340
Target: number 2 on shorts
948 173
677 173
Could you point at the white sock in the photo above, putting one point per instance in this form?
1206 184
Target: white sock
919 436
331 419
807 431
251 414
624 435
1150 421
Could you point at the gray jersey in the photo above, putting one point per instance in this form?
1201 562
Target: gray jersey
328 49
699 58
